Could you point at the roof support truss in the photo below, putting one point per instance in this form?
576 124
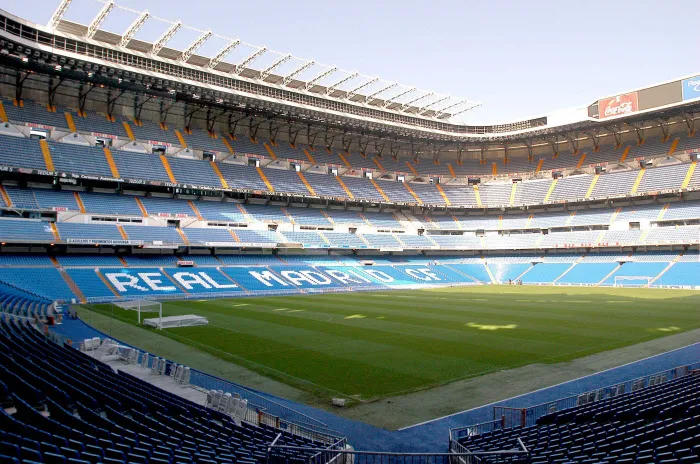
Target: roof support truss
167 35
290 77
371 97
264 74
194 46
663 124
465 109
58 14
99 19
332 88
396 97
353 92
443 111
219 57
416 100
320 76
690 122
427 107
134 28
249 59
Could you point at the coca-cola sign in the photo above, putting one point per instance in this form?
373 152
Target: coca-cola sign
691 88
618 106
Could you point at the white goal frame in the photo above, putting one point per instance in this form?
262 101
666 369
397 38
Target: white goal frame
619 281
142 305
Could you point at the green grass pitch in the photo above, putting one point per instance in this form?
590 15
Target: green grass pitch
372 345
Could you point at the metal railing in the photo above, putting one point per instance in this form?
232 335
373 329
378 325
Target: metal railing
288 418
508 417
279 454
265 410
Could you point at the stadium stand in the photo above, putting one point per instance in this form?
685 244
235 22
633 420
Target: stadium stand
656 424
26 153
122 418
100 207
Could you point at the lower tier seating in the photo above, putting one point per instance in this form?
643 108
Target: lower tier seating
67 407
658 424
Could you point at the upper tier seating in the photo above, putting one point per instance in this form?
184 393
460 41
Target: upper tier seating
21 153
209 235
613 226
244 145
201 140
657 424
76 231
25 230
150 131
286 181
101 203
344 240
80 159
218 211
325 185
308 216
190 171
98 123
139 166
35 113
158 205
242 177
363 189
152 234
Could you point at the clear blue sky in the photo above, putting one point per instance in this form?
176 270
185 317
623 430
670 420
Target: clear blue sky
519 58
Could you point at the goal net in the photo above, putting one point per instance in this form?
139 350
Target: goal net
632 281
140 306
186 320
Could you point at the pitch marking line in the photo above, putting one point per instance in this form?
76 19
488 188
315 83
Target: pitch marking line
545 388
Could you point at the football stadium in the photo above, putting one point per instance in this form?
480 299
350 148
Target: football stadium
250 257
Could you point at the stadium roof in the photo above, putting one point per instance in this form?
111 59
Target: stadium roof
86 55
267 66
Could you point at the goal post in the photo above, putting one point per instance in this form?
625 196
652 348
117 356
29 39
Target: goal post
633 281
146 306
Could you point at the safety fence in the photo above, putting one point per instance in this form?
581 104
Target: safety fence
510 417
340 454
264 409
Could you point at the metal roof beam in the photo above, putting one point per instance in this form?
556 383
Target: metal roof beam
58 14
223 53
321 75
134 28
194 46
351 93
471 106
167 35
333 87
265 73
426 108
442 111
243 64
464 110
396 97
99 19
290 77
416 100
369 98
